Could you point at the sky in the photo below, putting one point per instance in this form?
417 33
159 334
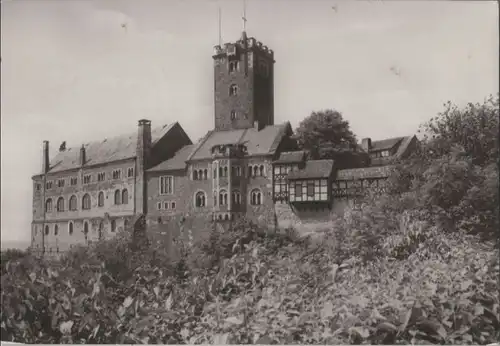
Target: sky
77 71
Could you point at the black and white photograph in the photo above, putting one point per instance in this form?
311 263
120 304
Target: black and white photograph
250 172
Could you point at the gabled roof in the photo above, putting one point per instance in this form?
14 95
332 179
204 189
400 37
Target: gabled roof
258 142
291 157
313 169
177 162
107 150
386 144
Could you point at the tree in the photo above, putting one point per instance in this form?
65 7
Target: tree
326 135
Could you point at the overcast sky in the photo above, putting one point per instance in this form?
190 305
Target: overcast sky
81 70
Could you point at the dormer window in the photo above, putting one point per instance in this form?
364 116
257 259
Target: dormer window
233 90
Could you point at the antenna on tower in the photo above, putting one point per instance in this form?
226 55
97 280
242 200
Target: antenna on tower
220 27
244 15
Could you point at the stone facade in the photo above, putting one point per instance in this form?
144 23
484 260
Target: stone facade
90 193
245 167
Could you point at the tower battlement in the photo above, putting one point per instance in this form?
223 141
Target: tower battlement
229 49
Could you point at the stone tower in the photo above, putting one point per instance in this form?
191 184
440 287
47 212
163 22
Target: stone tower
244 86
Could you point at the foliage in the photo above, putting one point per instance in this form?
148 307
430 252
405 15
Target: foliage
326 135
9 255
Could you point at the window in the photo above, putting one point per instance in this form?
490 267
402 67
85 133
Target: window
38 187
101 176
298 189
47 230
158 205
125 196
310 189
233 115
70 228
113 225
73 181
86 202
255 197
117 197
215 173
125 223
261 170
60 183
130 172
385 153
165 205
233 66
236 198
100 199
159 219
85 228
117 174
172 205
166 185
60 204
225 171
48 205
195 175
223 197
237 171
255 171
233 90
48 185
87 179
56 230
200 199
72 203
205 174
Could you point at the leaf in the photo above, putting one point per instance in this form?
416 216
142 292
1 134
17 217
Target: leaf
478 310
466 284
387 327
234 320
65 327
406 319
185 333
220 339
168 302
433 327
127 302
361 331
32 277
327 310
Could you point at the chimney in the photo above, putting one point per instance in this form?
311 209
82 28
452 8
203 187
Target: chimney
83 156
142 153
45 157
366 144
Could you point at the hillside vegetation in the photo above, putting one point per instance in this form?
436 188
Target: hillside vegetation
418 264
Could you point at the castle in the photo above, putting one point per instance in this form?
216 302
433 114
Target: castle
246 166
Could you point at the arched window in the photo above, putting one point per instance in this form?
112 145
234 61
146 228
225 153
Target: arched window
113 225
100 230
86 202
200 174
255 197
56 230
200 199
233 66
100 199
255 171
233 90
125 196
195 175
60 204
225 171
236 197
205 174
48 205
117 197
221 174
125 223
223 197
70 228
226 217
261 170
72 203
47 230
85 228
